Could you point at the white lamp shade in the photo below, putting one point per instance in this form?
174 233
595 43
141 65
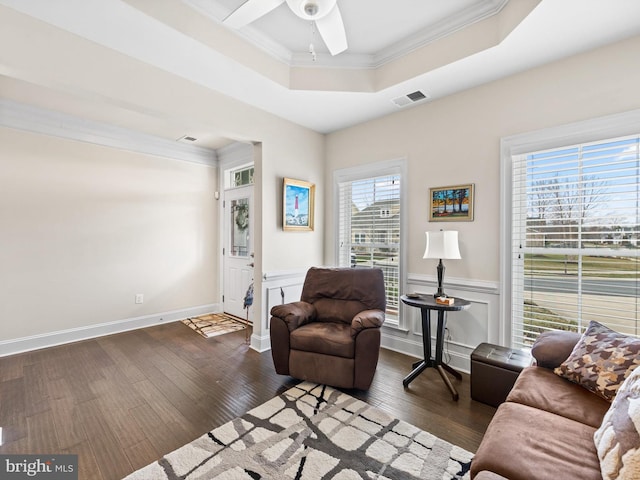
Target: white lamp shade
442 244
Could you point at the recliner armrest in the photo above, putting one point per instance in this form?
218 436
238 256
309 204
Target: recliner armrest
295 314
552 348
366 319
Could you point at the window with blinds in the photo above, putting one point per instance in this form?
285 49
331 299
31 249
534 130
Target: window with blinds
369 230
575 232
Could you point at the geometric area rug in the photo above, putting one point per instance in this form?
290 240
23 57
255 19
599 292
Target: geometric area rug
313 432
213 324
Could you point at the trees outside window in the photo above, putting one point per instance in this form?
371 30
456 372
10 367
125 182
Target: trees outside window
575 224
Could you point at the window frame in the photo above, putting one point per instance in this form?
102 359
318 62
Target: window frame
602 128
362 172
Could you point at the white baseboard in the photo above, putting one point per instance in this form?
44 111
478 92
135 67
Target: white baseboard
35 342
460 360
261 344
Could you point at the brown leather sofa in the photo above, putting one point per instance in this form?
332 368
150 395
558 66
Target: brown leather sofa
545 428
332 335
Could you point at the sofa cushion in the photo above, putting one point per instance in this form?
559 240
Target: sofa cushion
618 439
324 337
540 388
601 360
524 443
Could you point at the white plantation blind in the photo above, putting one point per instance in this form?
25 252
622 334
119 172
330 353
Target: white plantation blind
369 230
575 233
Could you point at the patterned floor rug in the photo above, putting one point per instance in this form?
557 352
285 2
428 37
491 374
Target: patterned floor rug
313 432
214 324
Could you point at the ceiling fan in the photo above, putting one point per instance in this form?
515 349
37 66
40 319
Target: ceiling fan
324 13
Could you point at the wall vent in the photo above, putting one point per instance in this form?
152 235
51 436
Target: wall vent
187 139
410 98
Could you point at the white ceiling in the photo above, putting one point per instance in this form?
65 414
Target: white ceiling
372 27
387 56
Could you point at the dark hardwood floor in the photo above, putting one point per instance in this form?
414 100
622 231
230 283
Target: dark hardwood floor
122 401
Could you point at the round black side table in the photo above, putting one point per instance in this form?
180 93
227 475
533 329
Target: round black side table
426 303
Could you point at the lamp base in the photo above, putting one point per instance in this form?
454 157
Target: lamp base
440 270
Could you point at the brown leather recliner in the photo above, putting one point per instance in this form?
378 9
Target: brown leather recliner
332 335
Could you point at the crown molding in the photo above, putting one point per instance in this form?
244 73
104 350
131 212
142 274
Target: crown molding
235 148
234 155
215 12
48 122
345 60
447 26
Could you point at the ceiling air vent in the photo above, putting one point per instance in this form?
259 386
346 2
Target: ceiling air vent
410 98
187 139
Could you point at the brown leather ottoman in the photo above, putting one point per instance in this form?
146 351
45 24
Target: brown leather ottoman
494 370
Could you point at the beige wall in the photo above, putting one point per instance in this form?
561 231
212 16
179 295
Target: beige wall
456 140
298 160
88 227
50 67
85 228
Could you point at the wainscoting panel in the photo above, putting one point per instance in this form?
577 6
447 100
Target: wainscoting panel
278 288
283 294
465 329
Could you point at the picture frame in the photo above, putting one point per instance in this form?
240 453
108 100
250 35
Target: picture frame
298 199
451 204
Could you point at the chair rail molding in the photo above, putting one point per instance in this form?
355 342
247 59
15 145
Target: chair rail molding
282 286
464 284
465 329
279 275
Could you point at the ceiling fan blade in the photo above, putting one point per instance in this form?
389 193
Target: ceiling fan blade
249 11
332 31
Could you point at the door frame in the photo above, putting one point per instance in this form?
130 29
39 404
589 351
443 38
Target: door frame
228 197
233 156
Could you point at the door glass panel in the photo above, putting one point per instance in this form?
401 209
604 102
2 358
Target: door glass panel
239 228
241 177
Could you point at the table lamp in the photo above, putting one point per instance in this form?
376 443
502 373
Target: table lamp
442 244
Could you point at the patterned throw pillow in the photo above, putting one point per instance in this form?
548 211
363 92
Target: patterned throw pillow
618 438
601 360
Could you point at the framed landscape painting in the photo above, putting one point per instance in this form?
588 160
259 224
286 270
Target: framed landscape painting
298 198
451 204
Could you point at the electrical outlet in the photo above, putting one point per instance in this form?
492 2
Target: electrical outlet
139 298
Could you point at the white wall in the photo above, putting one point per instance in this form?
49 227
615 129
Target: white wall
84 228
456 140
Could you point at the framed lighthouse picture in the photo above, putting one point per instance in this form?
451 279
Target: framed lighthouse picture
297 202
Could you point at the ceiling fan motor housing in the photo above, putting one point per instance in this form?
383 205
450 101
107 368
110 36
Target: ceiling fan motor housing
311 9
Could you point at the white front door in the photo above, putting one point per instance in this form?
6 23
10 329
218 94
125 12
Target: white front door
238 249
